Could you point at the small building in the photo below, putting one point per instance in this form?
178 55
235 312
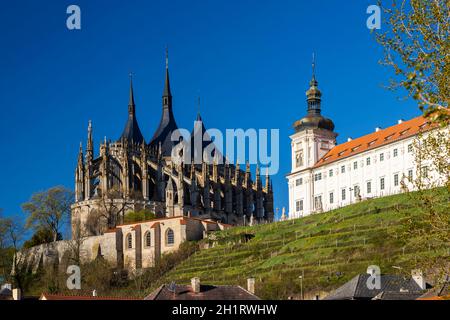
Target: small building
198 291
130 246
392 287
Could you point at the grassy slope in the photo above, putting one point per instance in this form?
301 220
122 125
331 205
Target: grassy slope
330 249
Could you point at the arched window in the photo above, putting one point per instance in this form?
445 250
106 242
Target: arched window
170 237
148 239
129 241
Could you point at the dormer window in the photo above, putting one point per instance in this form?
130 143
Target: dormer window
404 131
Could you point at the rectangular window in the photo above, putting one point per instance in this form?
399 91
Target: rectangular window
395 152
318 202
410 175
410 147
343 194
425 172
381 183
299 205
318 176
356 191
369 187
381 156
342 169
299 182
396 179
331 197
330 173
355 165
368 161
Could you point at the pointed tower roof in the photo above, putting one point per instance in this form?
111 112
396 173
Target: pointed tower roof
132 133
167 124
314 118
166 91
199 132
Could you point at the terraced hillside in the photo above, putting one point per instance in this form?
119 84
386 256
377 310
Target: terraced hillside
327 249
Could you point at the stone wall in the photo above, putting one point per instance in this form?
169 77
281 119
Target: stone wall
130 246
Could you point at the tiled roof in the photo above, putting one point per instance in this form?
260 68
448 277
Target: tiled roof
357 288
207 292
48 296
441 292
374 140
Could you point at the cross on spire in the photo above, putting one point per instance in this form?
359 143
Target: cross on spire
313 65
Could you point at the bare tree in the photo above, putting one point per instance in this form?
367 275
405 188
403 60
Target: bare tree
111 211
49 209
13 235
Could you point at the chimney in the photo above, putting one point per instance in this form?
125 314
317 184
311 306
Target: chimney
349 139
17 294
251 285
195 284
94 293
377 129
417 276
400 121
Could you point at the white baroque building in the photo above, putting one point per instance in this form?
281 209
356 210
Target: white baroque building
325 175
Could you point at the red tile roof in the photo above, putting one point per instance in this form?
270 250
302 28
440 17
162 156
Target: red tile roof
374 140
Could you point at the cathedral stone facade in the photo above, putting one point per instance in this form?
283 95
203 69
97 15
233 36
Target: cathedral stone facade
130 174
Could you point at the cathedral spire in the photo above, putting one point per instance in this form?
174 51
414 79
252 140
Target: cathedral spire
167 123
90 143
80 155
132 132
267 179
131 105
166 92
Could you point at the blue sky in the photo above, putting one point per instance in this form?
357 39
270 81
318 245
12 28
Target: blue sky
249 60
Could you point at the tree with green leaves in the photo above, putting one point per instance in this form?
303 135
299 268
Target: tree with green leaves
415 37
49 210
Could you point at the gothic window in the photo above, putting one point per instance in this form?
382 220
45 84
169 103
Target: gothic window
170 237
148 239
129 241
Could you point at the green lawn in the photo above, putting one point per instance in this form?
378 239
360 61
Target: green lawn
329 248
